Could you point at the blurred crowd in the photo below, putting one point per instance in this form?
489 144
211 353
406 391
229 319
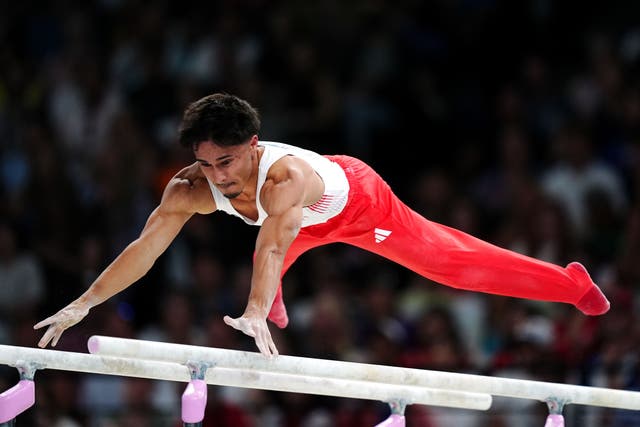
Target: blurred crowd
517 122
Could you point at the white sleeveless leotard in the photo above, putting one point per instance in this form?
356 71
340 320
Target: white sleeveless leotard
332 202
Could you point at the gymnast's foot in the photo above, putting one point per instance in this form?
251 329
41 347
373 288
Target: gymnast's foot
593 302
278 313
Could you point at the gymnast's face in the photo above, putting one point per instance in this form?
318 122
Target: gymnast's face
228 168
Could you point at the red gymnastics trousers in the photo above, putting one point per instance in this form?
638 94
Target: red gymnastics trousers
376 220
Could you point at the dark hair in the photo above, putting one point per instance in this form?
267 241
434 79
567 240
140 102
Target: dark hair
221 118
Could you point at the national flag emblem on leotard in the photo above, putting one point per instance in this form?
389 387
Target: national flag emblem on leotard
381 234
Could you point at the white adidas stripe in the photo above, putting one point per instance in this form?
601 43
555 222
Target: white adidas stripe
381 234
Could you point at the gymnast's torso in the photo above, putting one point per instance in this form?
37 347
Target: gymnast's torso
332 202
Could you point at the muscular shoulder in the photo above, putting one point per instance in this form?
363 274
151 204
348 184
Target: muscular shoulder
188 191
290 181
289 167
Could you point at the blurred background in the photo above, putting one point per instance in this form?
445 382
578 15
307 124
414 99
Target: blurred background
515 121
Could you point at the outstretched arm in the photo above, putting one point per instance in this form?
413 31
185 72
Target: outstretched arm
274 238
164 223
283 198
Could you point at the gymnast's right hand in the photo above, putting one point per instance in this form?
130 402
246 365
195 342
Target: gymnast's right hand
255 326
63 319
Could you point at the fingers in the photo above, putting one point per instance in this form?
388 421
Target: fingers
44 322
267 346
265 343
262 345
44 341
56 337
273 348
230 321
240 324
57 325
258 331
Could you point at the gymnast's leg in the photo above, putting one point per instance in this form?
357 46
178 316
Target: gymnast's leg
454 258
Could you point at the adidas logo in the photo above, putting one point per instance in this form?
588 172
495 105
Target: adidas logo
381 234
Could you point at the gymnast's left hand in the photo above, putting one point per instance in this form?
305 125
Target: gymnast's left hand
255 326
59 322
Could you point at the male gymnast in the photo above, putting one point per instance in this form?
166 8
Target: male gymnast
301 200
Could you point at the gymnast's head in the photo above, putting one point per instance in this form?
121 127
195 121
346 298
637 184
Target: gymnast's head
220 118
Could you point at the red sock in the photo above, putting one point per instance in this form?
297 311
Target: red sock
593 302
278 313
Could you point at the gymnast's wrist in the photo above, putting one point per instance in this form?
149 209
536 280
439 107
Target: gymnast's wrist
256 310
87 301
